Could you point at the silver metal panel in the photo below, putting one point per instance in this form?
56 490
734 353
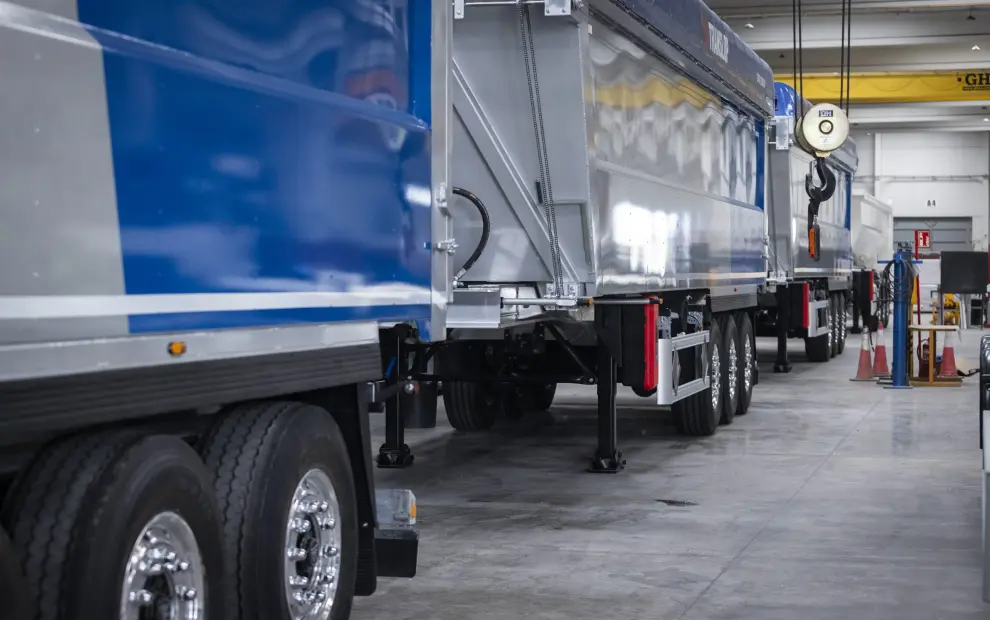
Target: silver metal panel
52 359
654 178
95 306
476 308
673 176
668 391
59 234
788 206
817 326
441 268
495 148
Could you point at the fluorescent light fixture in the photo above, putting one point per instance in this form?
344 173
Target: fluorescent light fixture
975 48
749 25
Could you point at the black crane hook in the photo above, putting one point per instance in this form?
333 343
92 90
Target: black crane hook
817 194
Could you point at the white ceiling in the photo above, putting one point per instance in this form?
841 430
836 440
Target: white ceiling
887 36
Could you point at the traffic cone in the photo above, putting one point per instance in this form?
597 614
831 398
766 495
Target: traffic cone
880 366
865 370
948 369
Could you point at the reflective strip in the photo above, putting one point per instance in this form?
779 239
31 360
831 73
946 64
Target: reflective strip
77 306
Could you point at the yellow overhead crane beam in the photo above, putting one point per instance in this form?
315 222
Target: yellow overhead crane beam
928 87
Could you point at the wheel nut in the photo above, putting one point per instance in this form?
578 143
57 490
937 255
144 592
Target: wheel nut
298 582
300 525
296 554
187 594
327 524
181 566
330 551
141 597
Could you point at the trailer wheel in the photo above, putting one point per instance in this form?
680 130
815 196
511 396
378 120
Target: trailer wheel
731 379
833 326
539 397
290 512
471 405
116 526
819 348
699 415
843 316
747 362
13 588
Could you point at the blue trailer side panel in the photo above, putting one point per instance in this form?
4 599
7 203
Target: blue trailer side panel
271 152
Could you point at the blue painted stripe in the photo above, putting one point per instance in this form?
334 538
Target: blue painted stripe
159 323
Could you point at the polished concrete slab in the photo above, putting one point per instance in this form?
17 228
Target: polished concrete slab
830 499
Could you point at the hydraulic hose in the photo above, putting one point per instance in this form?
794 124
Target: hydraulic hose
486 229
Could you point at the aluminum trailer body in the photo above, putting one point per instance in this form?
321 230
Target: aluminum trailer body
619 150
872 242
215 214
815 293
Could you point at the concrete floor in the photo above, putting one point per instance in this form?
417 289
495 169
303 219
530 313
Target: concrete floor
829 500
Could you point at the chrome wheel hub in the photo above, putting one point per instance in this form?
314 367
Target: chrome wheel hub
748 368
312 548
842 325
716 377
164 578
733 364
831 330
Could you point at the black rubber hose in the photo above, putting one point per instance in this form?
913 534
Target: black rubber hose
486 230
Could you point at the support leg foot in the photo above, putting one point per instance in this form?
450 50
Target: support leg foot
394 458
607 464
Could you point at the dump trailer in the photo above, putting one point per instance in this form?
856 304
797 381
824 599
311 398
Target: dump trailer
873 244
805 298
218 218
607 165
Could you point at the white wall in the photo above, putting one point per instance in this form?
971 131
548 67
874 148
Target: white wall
887 158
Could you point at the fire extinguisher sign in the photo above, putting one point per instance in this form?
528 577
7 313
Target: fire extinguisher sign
923 239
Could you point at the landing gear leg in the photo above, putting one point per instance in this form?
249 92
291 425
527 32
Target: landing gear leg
782 364
857 293
394 453
607 458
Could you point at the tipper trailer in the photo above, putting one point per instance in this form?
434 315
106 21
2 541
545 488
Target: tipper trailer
805 298
215 218
607 160
873 244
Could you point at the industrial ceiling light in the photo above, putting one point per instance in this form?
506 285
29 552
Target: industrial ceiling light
975 48
986 120
749 25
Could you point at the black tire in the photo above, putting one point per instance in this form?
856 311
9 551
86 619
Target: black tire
17 602
843 317
746 336
817 348
539 397
260 453
471 406
698 415
81 506
730 369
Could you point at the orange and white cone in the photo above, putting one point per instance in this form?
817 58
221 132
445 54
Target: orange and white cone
865 370
948 369
880 366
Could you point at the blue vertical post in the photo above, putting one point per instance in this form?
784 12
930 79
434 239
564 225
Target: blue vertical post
901 300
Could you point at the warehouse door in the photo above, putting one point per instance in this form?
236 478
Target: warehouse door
948 233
